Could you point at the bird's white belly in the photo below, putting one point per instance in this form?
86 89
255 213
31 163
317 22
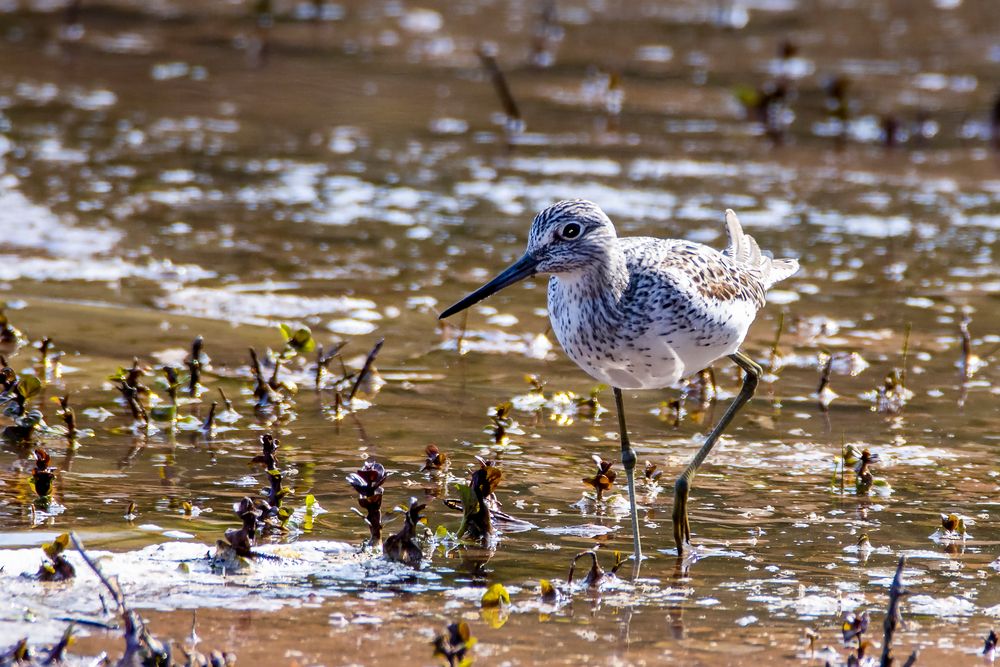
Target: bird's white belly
657 357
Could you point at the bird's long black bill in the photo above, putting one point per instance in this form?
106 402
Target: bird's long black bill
519 270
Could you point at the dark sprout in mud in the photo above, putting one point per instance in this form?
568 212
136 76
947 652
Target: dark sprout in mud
367 482
502 421
269 448
241 540
402 546
43 475
478 501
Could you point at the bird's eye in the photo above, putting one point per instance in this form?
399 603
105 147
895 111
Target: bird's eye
570 231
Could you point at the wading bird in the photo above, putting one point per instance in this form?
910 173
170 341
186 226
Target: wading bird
641 313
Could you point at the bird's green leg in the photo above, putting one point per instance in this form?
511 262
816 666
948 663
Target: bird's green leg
682 528
628 462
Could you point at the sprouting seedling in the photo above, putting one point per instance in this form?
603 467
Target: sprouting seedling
589 406
436 459
297 340
368 381
271 511
241 540
207 428
865 478
228 414
596 573
42 476
953 524
651 475
269 448
323 360
133 390
265 393
454 644
56 568
44 356
132 512
603 479
10 337
69 419
502 421
402 547
196 363
478 500
368 481
23 389
893 394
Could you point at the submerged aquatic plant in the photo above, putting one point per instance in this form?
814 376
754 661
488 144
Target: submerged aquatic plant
402 546
56 568
368 481
603 479
478 502
454 644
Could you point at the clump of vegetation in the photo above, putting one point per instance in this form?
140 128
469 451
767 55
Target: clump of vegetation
368 481
596 573
589 406
454 644
402 547
478 501
133 391
269 393
56 568
603 479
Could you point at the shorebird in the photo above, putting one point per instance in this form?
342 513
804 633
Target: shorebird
641 313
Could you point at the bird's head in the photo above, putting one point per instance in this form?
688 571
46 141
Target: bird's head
567 237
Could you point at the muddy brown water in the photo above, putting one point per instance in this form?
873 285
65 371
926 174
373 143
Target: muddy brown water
165 176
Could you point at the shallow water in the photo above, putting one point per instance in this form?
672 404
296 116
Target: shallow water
160 179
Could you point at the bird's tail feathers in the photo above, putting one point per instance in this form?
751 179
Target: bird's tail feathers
743 249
